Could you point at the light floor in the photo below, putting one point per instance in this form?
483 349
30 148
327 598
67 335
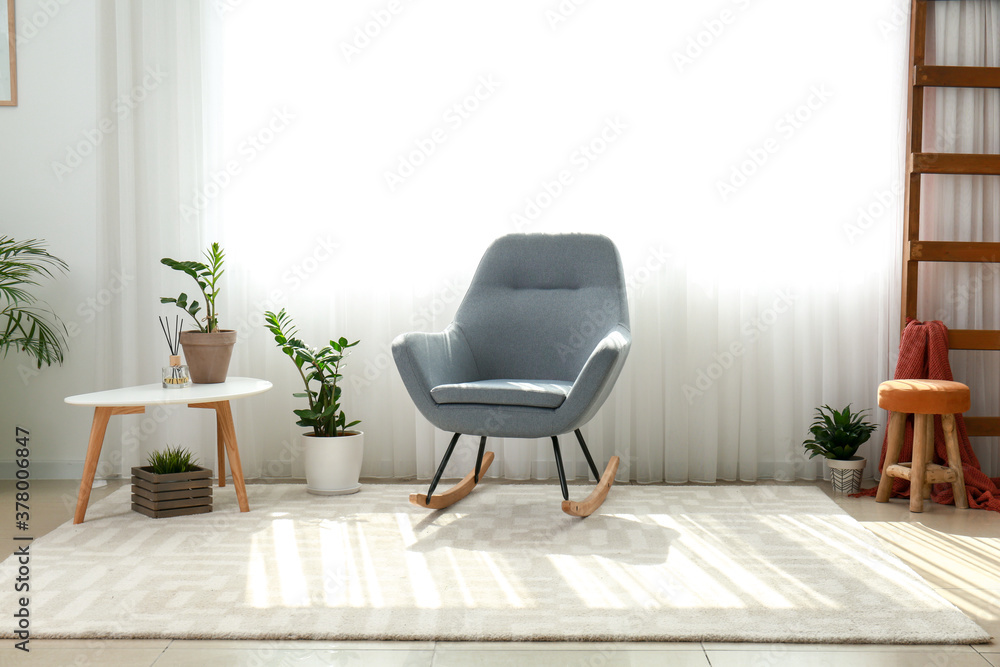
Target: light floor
956 551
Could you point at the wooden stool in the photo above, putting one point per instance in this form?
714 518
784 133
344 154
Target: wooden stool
923 399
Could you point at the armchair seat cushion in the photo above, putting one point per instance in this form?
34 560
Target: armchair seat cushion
527 393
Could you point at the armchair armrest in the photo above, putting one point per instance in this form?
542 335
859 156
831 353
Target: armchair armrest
598 375
426 360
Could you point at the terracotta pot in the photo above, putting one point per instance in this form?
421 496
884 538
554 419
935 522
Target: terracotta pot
208 354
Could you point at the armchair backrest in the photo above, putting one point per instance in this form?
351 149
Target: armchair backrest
539 304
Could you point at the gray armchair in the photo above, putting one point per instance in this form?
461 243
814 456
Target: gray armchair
536 347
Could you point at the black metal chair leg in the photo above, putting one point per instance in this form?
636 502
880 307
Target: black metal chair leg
479 457
559 468
586 452
444 464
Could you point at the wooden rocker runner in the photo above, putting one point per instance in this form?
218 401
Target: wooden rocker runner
535 348
483 461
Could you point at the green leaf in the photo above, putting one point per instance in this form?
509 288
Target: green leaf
318 368
838 434
171 460
29 325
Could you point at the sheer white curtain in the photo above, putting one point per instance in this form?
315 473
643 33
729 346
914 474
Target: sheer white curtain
745 157
154 92
356 160
965 208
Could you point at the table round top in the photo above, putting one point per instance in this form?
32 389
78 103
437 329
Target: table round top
155 394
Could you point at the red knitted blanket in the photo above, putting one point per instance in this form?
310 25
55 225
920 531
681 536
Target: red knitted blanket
923 354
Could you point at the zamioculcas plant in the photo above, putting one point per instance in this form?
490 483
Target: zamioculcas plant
321 366
837 435
26 324
207 276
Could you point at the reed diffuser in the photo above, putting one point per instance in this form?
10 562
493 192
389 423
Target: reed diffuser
175 375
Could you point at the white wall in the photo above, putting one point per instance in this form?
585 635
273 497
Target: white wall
57 111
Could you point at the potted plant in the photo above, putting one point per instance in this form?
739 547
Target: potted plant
209 349
837 436
333 453
172 484
26 325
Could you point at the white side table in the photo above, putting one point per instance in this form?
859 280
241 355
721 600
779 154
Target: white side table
133 400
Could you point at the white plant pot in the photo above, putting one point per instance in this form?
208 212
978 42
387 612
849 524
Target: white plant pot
846 475
333 464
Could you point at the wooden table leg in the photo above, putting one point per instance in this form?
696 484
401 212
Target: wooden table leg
224 415
220 442
97 431
225 427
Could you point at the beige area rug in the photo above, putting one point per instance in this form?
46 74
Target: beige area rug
726 563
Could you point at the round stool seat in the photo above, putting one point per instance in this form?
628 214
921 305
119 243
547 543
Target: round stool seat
924 397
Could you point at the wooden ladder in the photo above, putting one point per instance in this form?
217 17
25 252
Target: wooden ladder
923 76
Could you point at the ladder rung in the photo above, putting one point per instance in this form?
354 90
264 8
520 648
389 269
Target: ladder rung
956 77
933 473
982 426
954 163
954 251
973 339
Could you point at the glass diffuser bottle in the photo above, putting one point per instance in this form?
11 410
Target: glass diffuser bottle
175 375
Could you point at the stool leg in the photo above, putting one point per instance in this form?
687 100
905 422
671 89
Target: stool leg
929 452
894 443
918 467
955 461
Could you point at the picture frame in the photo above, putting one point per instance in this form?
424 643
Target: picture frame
8 56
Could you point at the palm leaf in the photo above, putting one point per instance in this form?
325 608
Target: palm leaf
35 331
28 325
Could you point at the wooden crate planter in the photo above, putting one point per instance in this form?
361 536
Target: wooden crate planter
175 494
